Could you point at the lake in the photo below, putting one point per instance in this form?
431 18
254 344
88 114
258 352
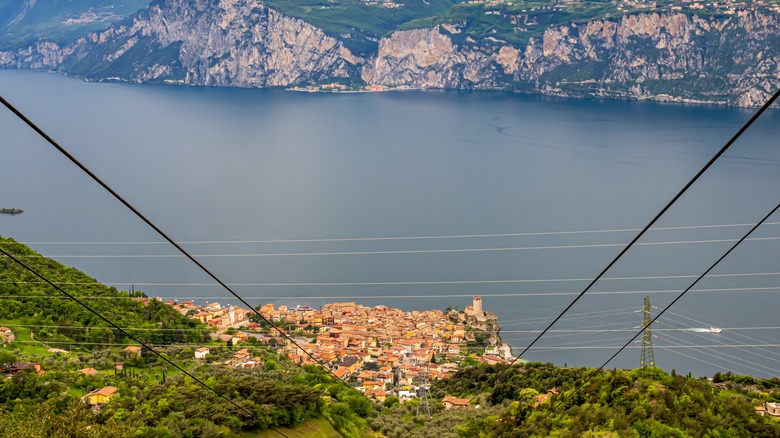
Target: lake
414 200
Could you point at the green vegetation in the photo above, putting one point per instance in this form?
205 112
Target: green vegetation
638 403
179 406
316 428
514 22
154 399
62 323
357 23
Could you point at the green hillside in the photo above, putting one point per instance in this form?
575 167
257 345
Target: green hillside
29 301
360 23
154 399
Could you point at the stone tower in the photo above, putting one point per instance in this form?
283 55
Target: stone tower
477 305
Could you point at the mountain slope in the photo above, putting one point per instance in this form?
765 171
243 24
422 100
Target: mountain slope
598 50
217 43
667 56
25 21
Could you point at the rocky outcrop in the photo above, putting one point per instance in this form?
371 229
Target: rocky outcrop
672 57
733 59
427 58
240 43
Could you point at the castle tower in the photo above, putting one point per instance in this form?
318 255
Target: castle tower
477 305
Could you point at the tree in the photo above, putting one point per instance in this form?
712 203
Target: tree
391 401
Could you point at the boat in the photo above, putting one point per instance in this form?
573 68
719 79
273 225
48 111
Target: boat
714 330
11 210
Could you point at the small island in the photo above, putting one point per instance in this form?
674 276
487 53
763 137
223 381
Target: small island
11 210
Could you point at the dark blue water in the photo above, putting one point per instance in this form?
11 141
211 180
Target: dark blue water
223 165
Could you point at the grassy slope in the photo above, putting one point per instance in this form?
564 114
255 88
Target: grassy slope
317 428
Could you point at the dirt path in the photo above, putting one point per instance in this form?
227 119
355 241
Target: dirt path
51 350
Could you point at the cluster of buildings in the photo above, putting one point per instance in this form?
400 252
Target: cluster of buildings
386 351
213 314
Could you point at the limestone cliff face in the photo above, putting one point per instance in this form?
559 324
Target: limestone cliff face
732 59
239 43
675 57
427 58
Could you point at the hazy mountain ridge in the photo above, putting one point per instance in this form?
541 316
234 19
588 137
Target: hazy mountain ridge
24 21
671 56
229 43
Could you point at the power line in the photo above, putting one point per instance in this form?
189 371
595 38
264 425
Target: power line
135 339
650 224
391 252
691 357
544 348
728 331
376 297
421 283
371 239
563 331
637 347
661 330
722 340
148 222
724 356
682 294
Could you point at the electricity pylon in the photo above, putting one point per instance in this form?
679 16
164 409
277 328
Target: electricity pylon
647 360
423 404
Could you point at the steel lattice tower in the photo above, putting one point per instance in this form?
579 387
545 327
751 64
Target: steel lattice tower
647 359
422 396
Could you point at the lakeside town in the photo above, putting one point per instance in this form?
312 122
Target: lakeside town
385 351
381 351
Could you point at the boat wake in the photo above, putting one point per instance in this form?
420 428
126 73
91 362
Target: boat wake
704 330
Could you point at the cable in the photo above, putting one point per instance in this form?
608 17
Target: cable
545 348
372 239
661 330
376 297
112 324
731 331
682 294
148 222
723 355
720 340
690 357
648 226
426 283
389 252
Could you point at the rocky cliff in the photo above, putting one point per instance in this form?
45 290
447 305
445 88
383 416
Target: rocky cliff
240 43
729 59
721 58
